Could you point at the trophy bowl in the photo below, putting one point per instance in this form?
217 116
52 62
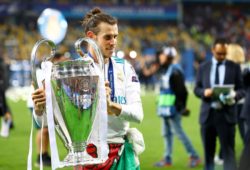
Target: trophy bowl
74 87
77 92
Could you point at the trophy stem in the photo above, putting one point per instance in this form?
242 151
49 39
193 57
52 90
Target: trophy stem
76 154
78 147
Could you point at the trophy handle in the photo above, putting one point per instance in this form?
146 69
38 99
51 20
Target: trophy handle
33 58
97 50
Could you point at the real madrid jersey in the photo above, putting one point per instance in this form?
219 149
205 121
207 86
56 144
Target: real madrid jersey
127 94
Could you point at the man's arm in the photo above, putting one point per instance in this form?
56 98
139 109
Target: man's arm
199 89
177 83
151 70
240 92
132 110
246 77
39 99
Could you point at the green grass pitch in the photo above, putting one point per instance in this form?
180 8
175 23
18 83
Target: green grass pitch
14 150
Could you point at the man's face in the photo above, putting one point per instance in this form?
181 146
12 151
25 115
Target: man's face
220 51
107 38
162 59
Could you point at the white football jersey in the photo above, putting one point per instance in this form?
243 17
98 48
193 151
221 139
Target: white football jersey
127 93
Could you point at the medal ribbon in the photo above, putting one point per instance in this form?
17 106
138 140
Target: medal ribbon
111 80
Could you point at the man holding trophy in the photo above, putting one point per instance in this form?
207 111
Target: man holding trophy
122 95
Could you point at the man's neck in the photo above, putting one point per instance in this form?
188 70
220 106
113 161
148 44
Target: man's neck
106 60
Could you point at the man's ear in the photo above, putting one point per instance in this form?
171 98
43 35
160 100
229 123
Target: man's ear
212 49
90 34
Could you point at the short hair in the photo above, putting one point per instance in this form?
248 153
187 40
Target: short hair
222 41
93 18
57 56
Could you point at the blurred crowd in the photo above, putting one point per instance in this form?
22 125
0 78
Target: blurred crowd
104 2
192 37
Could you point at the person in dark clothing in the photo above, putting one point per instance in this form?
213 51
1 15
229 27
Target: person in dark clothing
235 53
244 161
6 123
218 115
3 78
171 103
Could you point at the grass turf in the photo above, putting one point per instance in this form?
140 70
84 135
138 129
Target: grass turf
14 150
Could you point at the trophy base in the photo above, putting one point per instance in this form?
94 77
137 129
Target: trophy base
76 154
79 158
73 159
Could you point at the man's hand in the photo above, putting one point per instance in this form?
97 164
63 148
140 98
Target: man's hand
208 92
39 99
228 99
112 108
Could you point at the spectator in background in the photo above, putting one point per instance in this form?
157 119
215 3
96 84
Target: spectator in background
42 135
218 115
4 109
172 104
147 80
236 54
244 161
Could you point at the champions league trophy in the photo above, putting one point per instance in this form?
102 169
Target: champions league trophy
76 97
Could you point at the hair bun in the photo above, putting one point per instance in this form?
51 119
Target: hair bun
96 11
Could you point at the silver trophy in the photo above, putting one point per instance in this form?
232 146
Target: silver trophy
74 86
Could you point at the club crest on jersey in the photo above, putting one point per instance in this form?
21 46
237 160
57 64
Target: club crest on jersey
120 76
